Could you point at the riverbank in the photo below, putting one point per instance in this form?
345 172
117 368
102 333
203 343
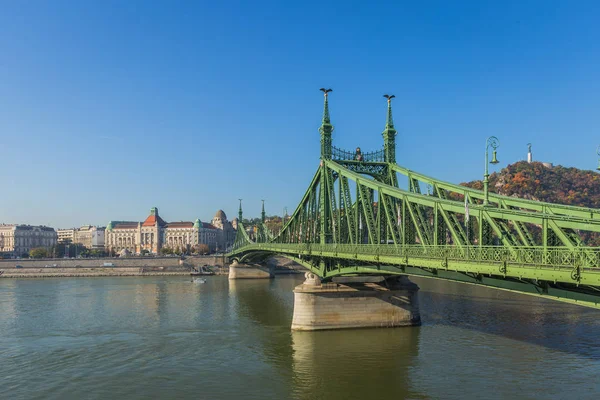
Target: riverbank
53 272
139 262
131 266
18 273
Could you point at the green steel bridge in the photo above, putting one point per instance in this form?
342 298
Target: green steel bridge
354 219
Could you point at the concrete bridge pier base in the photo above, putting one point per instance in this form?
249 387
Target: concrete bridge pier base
355 302
245 271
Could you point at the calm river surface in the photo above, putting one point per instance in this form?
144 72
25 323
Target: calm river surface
165 337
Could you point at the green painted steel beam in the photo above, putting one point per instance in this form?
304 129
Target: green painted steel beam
559 209
558 265
542 281
562 221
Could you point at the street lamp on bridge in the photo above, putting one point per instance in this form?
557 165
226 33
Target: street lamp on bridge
494 143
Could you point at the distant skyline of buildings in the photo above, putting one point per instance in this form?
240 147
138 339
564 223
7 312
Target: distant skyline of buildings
133 237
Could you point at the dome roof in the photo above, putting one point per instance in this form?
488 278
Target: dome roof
221 215
124 253
198 223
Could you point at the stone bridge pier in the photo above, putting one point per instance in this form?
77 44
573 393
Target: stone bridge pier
251 271
355 302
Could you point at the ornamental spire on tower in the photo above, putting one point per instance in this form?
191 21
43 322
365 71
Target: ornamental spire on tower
389 123
326 119
263 214
240 211
326 127
389 133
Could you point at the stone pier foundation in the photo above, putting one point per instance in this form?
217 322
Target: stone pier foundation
355 303
245 271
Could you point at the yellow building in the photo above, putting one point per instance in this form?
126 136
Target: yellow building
154 233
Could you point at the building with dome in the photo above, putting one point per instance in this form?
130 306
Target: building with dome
154 234
226 229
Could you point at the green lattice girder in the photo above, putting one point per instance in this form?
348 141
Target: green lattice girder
503 201
338 229
560 265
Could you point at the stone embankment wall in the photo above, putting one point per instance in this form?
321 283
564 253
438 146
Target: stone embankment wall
117 262
89 272
131 266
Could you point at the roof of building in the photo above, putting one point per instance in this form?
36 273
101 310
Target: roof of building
124 253
113 224
221 215
125 225
152 219
31 227
208 226
181 224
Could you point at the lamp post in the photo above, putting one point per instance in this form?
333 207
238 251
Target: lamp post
598 152
494 143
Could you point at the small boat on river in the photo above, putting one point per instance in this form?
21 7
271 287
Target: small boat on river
203 270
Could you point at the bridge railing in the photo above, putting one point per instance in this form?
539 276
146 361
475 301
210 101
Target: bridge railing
559 257
373 156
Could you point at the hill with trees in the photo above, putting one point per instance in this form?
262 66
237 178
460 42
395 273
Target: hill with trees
553 184
535 181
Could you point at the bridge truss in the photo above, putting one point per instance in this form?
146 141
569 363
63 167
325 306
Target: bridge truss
354 219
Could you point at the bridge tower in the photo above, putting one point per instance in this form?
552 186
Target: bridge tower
326 149
326 128
389 145
389 134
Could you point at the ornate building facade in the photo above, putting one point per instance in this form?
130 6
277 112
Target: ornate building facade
155 233
227 231
17 240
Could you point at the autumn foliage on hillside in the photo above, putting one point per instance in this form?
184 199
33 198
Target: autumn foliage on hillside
570 186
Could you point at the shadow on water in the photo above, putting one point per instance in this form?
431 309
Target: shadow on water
548 323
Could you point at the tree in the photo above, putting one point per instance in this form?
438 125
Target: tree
166 250
38 252
69 249
97 253
201 248
58 251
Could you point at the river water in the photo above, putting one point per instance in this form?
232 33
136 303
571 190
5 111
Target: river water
166 337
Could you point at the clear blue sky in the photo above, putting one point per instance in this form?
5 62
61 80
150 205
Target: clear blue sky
108 108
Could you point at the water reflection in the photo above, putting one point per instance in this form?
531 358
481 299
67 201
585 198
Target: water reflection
8 303
268 305
262 300
361 364
166 337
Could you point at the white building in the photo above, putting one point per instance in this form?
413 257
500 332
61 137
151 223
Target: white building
17 240
92 237
65 235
